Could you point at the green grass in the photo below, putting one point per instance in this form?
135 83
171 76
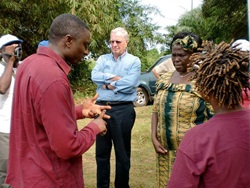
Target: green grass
142 172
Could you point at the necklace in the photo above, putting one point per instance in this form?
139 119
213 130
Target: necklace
182 76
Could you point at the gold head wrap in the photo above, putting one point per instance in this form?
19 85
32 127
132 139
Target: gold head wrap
188 43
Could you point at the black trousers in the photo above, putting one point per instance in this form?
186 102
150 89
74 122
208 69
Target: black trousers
119 128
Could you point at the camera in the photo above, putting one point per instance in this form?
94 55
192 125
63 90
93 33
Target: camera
18 52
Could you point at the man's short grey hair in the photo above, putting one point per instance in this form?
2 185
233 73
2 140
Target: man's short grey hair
123 31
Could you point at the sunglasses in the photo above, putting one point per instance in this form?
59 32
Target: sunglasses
115 41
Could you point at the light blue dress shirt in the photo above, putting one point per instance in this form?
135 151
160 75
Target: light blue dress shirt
127 66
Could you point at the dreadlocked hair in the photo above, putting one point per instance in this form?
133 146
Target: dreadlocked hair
221 72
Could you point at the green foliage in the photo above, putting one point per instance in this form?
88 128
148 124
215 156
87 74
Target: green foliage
30 20
152 56
216 20
227 20
142 31
193 21
80 79
172 30
101 16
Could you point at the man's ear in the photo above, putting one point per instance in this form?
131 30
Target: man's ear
68 40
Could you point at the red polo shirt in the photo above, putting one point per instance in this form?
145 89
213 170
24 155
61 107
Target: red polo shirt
45 145
215 154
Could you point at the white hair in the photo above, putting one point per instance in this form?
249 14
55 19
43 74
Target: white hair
121 30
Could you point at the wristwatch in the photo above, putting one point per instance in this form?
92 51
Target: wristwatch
106 85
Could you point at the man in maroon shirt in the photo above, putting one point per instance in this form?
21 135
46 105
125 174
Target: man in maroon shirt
45 145
216 154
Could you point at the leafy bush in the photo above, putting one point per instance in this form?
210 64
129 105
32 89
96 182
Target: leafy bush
80 79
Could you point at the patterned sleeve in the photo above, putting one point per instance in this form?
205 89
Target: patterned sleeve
209 111
160 83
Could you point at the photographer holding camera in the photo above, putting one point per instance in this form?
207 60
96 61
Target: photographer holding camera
11 53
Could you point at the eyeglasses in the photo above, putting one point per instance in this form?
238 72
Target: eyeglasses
115 41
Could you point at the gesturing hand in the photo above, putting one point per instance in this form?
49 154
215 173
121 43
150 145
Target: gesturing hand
101 123
90 109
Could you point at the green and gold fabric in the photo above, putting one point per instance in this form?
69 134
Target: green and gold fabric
179 108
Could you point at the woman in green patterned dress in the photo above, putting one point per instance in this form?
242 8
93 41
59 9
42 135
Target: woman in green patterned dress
177 106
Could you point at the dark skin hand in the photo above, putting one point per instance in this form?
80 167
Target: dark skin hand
90 109
157 145
100 122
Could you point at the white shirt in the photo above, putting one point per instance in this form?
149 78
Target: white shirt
166 66
6 105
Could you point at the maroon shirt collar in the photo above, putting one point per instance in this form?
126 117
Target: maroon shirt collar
58 59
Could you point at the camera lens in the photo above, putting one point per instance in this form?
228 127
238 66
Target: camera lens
18 53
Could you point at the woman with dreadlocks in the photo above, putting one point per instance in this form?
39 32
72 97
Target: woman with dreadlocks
177 106
244 45
216 153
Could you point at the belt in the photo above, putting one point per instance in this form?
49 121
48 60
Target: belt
113 103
